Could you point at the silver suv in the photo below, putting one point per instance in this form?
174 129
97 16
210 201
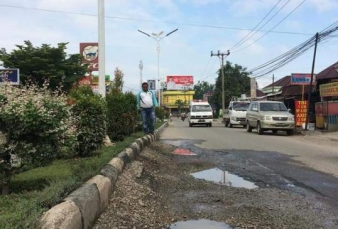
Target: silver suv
269 115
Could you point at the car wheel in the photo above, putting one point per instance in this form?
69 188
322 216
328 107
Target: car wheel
274 131
244 126
230 125
210 125
289 132
260 131
248 127
190 124
226 123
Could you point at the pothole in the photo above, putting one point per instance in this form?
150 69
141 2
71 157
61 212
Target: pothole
184 152
200 224
224 178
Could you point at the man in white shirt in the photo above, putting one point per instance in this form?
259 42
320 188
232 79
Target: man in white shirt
146 102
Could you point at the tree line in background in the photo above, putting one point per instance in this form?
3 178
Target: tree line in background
50 117
236 82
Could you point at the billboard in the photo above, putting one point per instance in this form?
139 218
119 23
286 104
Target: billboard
152 84
329 89
90 55
180 83
10 75
302 79
95 79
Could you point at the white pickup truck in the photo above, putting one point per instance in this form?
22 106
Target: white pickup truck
235 114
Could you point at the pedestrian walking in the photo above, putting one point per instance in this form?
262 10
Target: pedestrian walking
146 103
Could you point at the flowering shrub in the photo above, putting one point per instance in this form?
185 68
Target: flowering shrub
38 126
91 111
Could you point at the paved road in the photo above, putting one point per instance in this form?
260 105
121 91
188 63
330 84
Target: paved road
314 154
276 160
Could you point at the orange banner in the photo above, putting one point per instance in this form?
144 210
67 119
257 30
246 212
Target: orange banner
300 112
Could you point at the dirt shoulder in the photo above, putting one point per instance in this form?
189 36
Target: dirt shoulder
157 190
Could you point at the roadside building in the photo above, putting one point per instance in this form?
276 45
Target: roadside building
327 108
177 100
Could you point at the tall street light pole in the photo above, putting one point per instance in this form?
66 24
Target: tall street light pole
141 68
221 56
158 37
102 55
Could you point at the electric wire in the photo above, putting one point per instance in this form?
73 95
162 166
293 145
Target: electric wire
242 41
266 33
152 21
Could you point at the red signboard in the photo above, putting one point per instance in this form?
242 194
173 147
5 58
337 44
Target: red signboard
90 55
324 109
180 82
300 112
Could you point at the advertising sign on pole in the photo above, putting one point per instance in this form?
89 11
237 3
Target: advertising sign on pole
175 83
90 55
300 112
10 75
301 79
152 84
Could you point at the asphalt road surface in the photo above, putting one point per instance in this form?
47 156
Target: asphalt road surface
231 177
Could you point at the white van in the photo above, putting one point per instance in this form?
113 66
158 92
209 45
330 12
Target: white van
200 112
236 113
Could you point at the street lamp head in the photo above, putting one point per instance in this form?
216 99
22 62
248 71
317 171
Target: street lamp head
154 34
160 33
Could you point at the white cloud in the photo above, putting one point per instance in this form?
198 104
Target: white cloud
324 5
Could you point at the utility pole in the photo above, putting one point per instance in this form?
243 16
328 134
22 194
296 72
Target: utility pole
221 56
102 55
311 81
273 84
141 68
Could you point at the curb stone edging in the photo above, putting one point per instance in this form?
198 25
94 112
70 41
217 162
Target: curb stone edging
84 205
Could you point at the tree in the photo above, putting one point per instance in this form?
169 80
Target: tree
180 104
118 82
45 63
236 82
201 88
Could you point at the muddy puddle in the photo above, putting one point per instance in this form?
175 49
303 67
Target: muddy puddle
224 178
199 224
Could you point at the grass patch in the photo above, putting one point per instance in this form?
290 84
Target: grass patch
37 190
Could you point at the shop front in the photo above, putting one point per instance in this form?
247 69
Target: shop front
327 109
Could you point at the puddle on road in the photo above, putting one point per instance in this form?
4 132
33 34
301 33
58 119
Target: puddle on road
223 177
200 224
183 152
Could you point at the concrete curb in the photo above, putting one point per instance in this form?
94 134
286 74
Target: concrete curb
83 206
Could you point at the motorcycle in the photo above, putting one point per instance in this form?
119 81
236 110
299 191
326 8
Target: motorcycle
183 118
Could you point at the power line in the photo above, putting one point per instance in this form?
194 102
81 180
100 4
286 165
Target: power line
272 28
206 67
152 21
243 40
294 53
213 73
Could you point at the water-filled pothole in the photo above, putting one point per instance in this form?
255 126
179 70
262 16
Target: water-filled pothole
225 178
199 224
184 152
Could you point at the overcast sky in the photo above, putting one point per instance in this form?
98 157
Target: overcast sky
186 52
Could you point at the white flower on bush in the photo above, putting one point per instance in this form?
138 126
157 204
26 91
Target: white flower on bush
31 107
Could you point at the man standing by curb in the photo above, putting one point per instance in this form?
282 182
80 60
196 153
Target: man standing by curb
146 103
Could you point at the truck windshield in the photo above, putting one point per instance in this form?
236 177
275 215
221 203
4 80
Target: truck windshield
240 106
200 108
273 107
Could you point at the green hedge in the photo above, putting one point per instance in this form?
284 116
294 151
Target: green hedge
121 115
91 112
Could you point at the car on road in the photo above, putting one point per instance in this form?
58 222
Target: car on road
236 113
269 116
200 112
